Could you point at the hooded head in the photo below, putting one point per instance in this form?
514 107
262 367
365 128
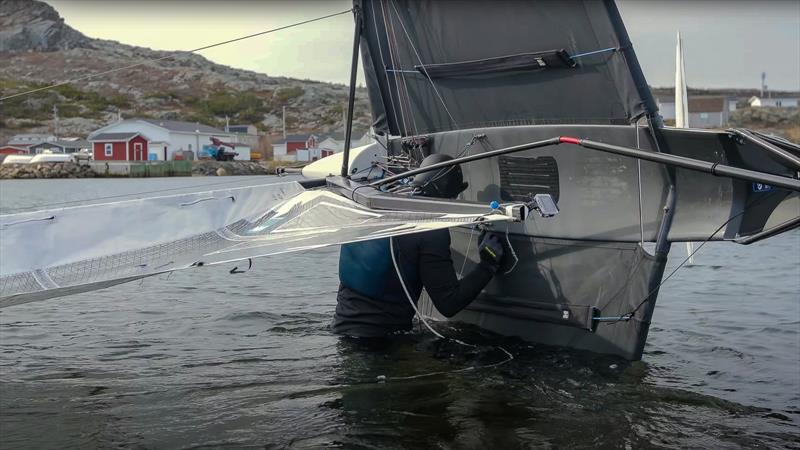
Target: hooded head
446 182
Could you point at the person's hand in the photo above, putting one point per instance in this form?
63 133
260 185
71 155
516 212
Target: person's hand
491 250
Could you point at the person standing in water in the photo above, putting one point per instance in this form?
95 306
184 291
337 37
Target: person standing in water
372 302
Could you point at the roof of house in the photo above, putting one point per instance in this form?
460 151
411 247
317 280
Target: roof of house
115 136
185 127
15 147
65 144
239 127
296 138
707 104
19 143
33 135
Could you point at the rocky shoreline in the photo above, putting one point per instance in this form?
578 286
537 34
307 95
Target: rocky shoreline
88 170
46 170
226 168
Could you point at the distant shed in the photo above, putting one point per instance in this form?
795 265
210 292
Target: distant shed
13 150
130 146
708 111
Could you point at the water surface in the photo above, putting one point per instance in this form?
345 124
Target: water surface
204 358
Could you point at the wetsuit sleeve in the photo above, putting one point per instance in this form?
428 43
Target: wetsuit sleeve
449 294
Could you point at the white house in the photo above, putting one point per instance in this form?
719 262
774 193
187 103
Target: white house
335 141
245 134
27 140
778 102
311 147
168 137
666 107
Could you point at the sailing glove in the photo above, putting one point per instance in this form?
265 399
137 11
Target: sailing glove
491 251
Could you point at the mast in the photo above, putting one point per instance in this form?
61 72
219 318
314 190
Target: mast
681 97
348 131
682 108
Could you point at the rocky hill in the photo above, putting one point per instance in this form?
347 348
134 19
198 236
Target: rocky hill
37 48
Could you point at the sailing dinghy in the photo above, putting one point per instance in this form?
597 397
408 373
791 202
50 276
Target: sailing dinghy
545 108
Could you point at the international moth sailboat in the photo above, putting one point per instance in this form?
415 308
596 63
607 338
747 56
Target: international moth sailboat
546 110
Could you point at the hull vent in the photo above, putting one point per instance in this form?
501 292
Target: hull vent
521 178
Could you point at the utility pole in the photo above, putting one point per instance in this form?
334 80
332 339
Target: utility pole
284 121
55 121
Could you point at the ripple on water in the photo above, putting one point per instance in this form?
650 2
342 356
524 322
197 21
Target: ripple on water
203 359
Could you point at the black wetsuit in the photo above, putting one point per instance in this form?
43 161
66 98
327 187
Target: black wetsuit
371 301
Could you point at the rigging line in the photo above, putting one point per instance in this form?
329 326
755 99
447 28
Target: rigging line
403 71
433 85
383 63
639 178
444 171
174 54
399 62
466 253
513 253
392 60
581 55
629 315
509 356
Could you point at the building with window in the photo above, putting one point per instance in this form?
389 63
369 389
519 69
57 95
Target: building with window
60 146
125 146
778 102
168 139
708 111
311 147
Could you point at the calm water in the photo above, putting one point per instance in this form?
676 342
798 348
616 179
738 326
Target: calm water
207 359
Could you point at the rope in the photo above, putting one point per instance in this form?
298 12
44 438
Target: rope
405 289
149 61
513 253
581 55
389 40
466 252
407 97
629 315
413 47
509 356
383 63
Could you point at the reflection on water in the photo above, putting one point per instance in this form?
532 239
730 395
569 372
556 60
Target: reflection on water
206 358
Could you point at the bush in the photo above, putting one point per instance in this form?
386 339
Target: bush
286 94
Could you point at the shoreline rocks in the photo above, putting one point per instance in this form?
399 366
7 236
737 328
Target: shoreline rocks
46 170
229 168
75 170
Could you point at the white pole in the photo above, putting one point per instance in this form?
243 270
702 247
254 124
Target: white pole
681 96
284 122
682 108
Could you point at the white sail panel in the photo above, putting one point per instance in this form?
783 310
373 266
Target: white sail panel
42 257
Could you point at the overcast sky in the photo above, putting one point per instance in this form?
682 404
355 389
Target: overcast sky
726 43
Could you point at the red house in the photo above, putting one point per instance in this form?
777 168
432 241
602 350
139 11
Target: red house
13 150
131 146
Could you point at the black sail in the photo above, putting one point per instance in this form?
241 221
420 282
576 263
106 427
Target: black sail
435 66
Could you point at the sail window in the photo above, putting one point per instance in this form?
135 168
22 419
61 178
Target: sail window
522 62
